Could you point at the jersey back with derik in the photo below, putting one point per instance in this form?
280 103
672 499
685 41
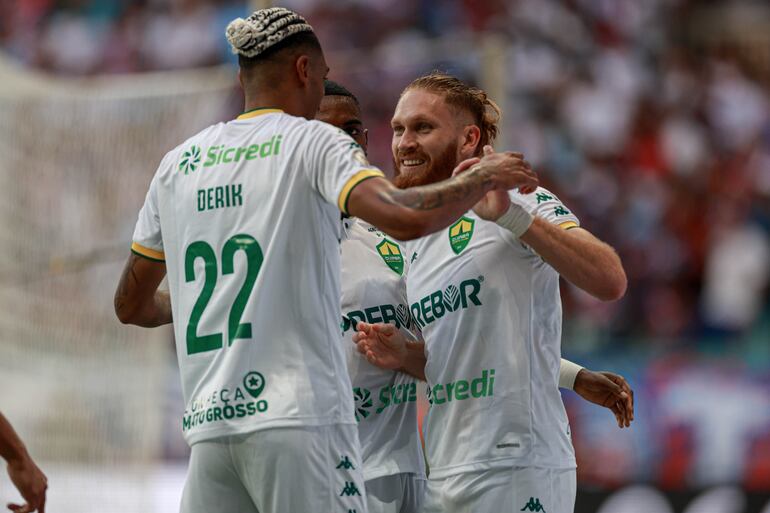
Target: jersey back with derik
246 216
374 290
490 313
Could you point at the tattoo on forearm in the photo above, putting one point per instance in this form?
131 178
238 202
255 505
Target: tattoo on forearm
428 197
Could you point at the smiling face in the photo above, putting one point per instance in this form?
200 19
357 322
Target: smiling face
344 113
429 138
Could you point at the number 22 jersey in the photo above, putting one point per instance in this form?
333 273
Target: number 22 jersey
246 216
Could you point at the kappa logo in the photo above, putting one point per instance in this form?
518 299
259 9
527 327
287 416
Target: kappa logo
391 255
533 505
350 490
345 464
460 234
190 160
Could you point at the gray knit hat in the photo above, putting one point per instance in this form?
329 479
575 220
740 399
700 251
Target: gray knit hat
263 29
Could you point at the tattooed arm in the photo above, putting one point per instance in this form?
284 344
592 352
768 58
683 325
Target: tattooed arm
137 299
417 211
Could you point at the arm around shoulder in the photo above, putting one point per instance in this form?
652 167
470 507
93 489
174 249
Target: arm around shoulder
373 201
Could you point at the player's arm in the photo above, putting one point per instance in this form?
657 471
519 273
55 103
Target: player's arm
137 298
574 253
411 213
603 388
579 257
24 473
386 347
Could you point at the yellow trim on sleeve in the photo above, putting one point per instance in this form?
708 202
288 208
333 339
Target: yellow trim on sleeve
569 224
258 112
342 201
147 252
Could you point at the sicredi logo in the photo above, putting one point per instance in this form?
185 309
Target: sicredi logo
389 396
442 302
462 389
223 154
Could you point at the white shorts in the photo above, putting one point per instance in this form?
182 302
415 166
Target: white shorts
399 493
527 489
301 470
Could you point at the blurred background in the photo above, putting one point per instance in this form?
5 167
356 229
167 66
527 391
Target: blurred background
650 119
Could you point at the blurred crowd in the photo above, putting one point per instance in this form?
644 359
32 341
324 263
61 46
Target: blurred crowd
654 132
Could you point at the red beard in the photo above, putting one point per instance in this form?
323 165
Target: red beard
439 169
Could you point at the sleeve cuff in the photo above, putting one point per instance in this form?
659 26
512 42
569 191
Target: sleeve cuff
148 253
568 225
342 201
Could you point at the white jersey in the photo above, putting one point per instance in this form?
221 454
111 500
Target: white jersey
246 216
374 290
490 313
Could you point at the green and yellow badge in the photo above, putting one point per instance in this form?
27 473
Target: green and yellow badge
391 254
460 234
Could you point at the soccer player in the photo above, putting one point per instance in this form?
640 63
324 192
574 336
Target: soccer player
244 217
24 473
373 289
485 294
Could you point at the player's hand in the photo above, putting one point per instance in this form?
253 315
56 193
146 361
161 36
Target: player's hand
381 344
494 203
609 390
465 165
507 170
31 483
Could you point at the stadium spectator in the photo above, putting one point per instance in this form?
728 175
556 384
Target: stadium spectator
623 119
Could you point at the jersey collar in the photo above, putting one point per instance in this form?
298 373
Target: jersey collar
258 112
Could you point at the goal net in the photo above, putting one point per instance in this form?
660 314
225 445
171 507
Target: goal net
89 396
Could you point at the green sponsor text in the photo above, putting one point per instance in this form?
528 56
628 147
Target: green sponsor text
462 389
442 302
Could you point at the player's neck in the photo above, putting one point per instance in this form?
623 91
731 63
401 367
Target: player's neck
270 100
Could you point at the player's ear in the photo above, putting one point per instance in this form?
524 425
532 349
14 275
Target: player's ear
366 140
302 68
470 141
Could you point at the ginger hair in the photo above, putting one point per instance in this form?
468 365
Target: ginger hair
459 95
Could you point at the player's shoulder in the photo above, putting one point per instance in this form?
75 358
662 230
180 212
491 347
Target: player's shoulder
299 123
325 129
547 205
304 131
541 193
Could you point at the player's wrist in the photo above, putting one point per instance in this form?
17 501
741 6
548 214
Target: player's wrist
411 351
516 219
484 173
568 373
